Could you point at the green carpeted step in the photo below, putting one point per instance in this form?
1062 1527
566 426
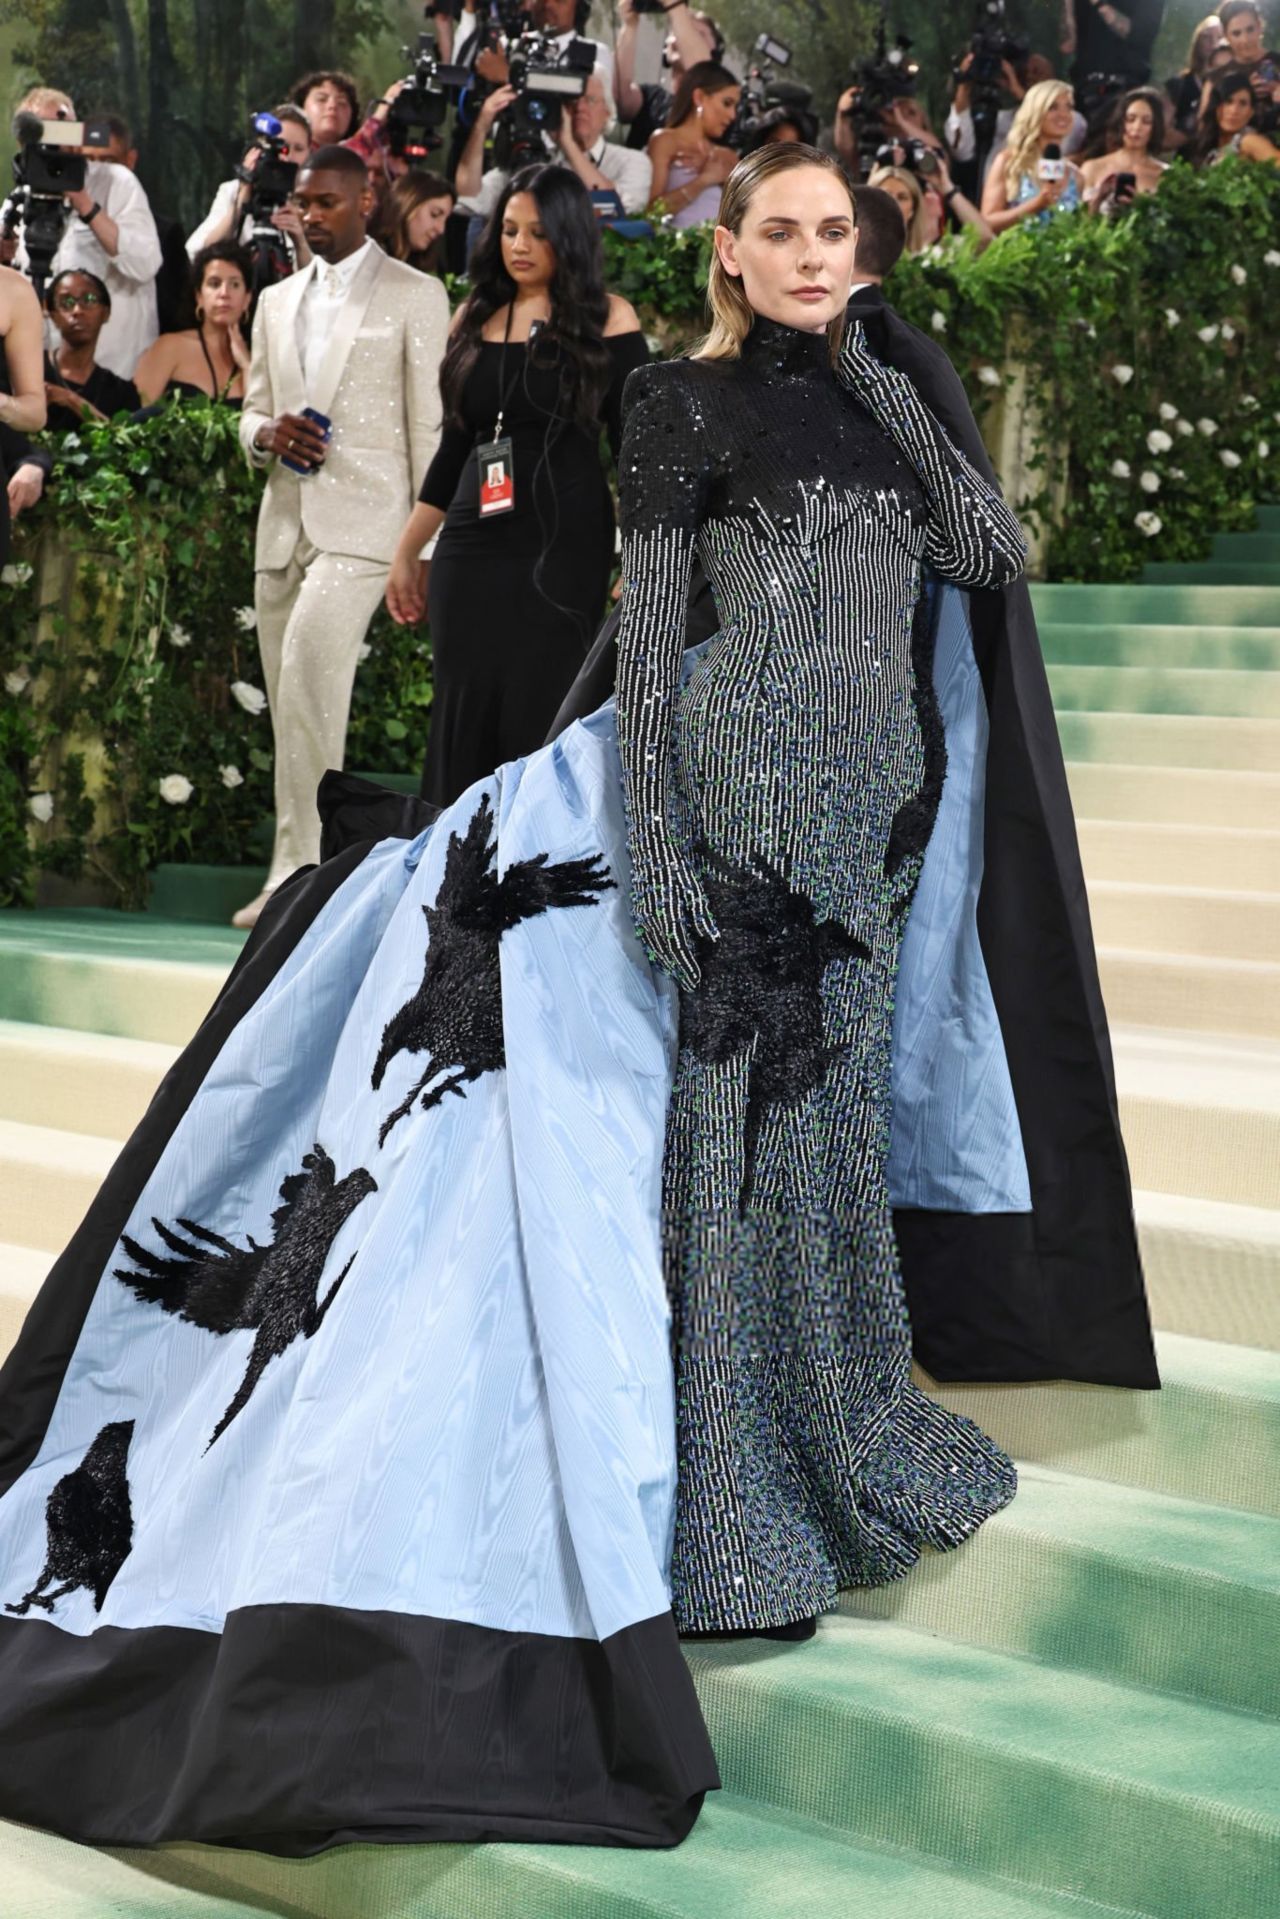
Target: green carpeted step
1064 1779
1254 649
121 973
1174 795
1201 1114
1149 689
742 1861
1171 740
81 1082
1212 573
1212 1433
1186 919
1268 519
1212 1269
1243 858
1191 994
1248 546
1160 605
1131 1585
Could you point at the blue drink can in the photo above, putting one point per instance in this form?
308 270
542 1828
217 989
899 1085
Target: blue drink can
325 424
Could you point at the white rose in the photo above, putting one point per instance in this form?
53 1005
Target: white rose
1122 375
178 635
40 807
1271 258
246 619
1168 412
1148 523
938 320
1207 333
1239 275
231 776
988 376
1249 402
17 573
1264 449
17 682
1229 458
1186 429
1158 441
1207 427
1176 473
1120 469
1173 317
176 788
251 698
1149 481
1228 331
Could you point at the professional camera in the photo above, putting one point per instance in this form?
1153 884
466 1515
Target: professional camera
991 45
767 101
917 156
419 110
888 76
270 181
48 165
547 78
1096 92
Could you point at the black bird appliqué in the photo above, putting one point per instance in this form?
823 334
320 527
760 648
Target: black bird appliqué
455 1017
88 1523
760 990
272 1289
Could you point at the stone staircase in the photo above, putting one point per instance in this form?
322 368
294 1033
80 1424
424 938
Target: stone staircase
1080 1710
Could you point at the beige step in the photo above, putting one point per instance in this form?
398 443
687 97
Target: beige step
1189 993
1171 739
1185 919
1242 859
79 1082
48 1176
1212 1270
22 1273
1200 1114
1173 795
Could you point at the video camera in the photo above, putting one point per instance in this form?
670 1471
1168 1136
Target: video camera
991 45
767 101
419 110
1097 92
270 180
48 165
916 156
888 76
547 78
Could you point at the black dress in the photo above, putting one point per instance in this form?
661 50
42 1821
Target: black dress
103 389
515 600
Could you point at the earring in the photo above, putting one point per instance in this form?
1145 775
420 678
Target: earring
698 111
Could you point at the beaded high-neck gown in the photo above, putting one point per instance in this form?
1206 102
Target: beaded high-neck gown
780 799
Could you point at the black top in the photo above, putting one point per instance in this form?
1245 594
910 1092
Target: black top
531 385
1100 50
103 389
652 115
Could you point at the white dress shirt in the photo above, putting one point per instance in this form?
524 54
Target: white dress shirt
631 173
320 305
130 276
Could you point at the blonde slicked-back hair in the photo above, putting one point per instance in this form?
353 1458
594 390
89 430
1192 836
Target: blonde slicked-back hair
730 312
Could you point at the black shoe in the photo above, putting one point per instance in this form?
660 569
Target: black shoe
793 1630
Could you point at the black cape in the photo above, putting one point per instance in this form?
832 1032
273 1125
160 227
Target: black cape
1056 1293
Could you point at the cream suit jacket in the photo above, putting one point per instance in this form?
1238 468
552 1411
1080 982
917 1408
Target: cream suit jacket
379 383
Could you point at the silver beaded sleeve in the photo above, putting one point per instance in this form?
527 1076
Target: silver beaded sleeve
972 537
662 483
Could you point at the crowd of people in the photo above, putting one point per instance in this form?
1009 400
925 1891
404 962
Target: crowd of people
342 268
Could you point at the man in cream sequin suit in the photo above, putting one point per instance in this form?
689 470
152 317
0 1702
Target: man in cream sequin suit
359 337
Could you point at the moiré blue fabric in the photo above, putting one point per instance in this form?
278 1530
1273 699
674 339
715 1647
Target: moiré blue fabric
955 1144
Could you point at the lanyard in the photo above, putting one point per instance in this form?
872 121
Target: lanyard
504 391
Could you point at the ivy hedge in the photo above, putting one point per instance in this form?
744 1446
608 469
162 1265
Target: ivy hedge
133 727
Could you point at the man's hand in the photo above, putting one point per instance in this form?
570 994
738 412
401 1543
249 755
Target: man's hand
293 437
81 201
495 104
1009 80
25 488
565 137
491 65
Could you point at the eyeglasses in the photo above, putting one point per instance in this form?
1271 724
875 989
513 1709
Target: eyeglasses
67 302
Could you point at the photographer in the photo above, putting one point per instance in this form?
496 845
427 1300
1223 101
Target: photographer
1030 181
76 387
692 36
110 233
690 165
229 217
1112 46
1242 29
959 127
561 20
926 195
861 127
602 165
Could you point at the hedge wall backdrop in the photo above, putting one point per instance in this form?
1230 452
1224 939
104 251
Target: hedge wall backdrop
133 728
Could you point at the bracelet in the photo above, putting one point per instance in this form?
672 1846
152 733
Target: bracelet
92 214
949 195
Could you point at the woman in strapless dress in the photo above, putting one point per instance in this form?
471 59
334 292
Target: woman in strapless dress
689 164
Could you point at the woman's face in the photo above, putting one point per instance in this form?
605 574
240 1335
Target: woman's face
718 110
79 311
426 223
1236 111
527 254
1139 125
329 111
794 252
899 190
1059 118
224 297
297 140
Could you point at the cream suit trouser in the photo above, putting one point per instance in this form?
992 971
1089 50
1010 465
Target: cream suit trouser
312 618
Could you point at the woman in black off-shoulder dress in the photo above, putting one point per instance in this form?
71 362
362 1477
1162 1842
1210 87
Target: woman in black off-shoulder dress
538 357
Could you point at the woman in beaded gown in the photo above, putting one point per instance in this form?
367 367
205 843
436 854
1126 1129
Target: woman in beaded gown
503 1281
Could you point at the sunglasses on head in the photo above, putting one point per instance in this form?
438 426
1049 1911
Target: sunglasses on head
65 302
